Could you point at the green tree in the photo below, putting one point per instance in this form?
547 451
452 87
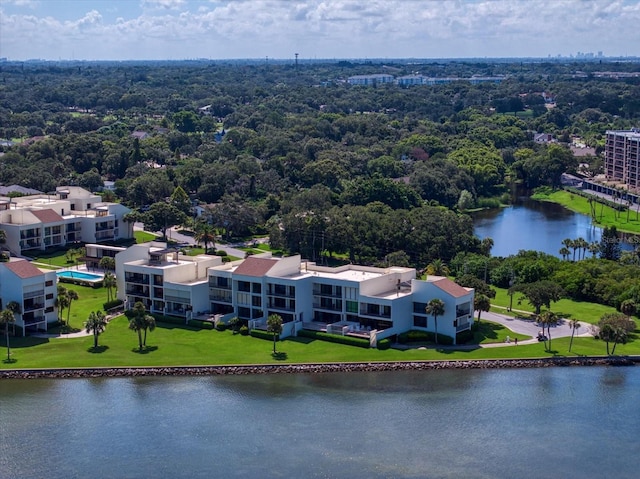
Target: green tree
180 199
628 307
610 244
437 268
615 328
205 233
575 325
72 296
96 324
481 303
107 263
141 321
435 308
539 293
274 326
162 216
6 317
62 301
109 282
548 319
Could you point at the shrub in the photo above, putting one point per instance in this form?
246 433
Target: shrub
335 338
112 304
221 252
419 336
220 326
260 334
464 337
197 323
244 330
384 344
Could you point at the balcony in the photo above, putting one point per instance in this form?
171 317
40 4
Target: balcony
137 290
32 306
281 291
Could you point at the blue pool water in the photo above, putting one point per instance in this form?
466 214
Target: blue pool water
79 275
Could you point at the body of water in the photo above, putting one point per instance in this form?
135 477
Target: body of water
79 275
534 225
527 423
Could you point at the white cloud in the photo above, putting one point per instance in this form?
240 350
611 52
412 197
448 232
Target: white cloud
330 28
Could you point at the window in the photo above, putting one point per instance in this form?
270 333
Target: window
256 301
352 307
48 283
420 321
49 296
256 288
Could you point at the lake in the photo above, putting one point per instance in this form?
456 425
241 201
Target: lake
573 422
534 225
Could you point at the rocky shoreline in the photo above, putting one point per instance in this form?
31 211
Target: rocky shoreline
69 373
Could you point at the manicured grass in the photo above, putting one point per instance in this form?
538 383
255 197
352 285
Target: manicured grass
489 332
579 204
143 236
179 346
566 308
89 299
52 258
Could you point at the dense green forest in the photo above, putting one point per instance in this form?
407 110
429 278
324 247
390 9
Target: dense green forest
380 175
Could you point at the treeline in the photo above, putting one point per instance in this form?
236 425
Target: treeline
295 152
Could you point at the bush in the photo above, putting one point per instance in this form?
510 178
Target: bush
464 337
419 336
244 330
260 334
197 323
384 344
112 304
221 252
335 338
220 326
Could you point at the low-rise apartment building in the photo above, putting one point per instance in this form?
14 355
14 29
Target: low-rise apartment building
164 280
71 215
363 301
34 290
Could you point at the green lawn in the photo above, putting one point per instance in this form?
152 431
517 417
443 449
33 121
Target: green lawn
605 216
89 299
143 236
566 308
179 346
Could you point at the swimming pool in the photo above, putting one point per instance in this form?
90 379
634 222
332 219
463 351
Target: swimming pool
79 275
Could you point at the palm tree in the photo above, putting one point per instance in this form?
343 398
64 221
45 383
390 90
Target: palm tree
141 321
107 263
206 234
72 295
548 319
583 244
564 252
274 326
7 316
481 303
96 324
628 308
574 324
109 282
593 248
437 268
435 307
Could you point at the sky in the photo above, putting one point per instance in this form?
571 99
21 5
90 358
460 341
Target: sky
315 29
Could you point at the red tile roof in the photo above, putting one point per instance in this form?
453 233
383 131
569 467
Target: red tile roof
23 269
255 266
451 288
47 216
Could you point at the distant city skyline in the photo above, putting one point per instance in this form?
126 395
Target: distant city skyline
315 29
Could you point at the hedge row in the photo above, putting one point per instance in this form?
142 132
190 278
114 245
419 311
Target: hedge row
417 336
335 338
260 334
198 323
112 304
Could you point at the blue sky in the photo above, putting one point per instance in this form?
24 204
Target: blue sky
219 29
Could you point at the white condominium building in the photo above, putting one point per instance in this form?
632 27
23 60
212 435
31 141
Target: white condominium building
71 215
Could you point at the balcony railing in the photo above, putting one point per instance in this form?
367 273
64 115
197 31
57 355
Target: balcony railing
33 294
32 306
136 278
